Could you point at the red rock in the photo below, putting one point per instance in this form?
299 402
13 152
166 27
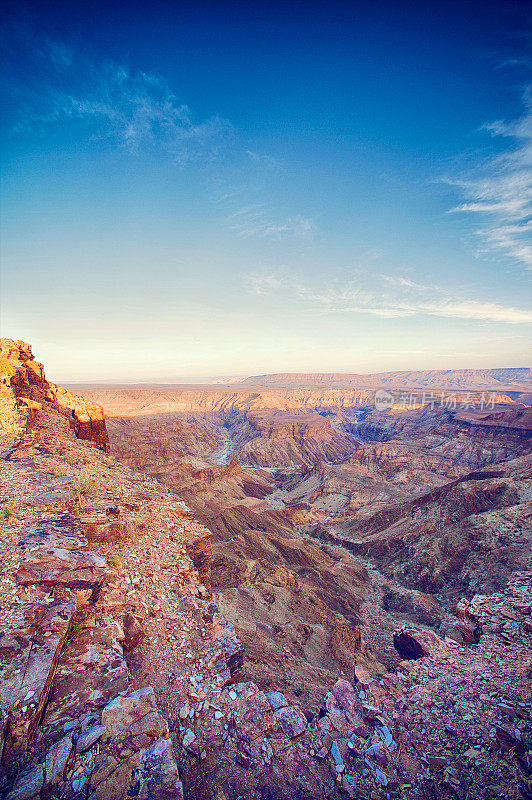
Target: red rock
200 553
346 698
292 721
30 387
134 632
56 566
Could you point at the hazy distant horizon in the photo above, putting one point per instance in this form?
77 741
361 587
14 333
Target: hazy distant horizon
228 381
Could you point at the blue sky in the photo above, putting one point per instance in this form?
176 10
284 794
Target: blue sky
230 188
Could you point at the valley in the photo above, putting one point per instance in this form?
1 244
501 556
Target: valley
326 513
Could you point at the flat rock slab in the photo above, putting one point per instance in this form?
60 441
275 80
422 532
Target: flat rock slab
29 670
57 566
63 531
44 499
90 673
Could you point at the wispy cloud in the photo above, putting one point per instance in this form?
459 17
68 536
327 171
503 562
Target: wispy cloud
262 282
264 161
500 190
260 220
133 109
385 296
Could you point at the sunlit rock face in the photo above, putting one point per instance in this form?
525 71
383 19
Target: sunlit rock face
24 381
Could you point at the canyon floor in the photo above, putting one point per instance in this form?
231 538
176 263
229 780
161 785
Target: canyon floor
257 592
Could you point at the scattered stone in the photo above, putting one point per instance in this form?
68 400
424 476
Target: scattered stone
89 737
188 738
276 700
292 721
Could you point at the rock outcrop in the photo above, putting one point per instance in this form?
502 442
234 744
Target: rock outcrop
24 386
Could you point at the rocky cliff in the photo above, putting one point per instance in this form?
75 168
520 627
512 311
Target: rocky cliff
463 537
24 388
288 439
213 400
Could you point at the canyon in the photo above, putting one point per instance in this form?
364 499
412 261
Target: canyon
312 476
281 589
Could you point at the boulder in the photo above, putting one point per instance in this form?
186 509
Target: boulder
292 720
467 630
28 784
55 763
149 774
100 529
89 737
346 698
412 643
276 700
133 722
134 633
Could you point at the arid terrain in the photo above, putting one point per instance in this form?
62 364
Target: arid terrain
299 472
268 589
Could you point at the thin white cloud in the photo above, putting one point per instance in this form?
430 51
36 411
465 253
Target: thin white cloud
264 160
262 282
386 296
259 220
500 190
133 109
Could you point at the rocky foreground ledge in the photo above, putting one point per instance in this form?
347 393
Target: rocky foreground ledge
121 679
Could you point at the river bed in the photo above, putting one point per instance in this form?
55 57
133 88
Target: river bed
223 454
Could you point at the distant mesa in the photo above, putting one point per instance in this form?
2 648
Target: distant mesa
504 378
